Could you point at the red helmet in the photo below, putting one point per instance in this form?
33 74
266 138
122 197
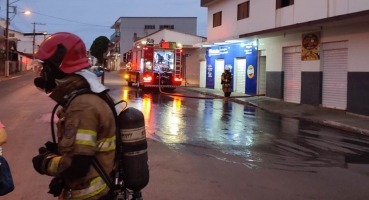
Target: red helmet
75 58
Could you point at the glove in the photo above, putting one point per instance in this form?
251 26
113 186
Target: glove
56 186
52 147
41 161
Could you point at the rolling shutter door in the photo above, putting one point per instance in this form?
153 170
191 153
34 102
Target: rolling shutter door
292 74
262 75
203 74
240 78
335 78
219 68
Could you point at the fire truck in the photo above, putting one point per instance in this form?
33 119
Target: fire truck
151 65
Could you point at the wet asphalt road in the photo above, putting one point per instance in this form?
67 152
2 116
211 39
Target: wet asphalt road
252 137
229 132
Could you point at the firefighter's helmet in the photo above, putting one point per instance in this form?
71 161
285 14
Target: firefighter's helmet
75 57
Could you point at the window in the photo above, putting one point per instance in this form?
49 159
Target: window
149 26
217 19
284 3
167 26
243 10
11 35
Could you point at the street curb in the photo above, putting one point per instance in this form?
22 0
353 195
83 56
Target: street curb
327 123
337 125
234 99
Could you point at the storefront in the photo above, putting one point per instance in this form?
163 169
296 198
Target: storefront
241 58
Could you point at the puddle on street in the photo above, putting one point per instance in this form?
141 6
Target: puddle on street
245 135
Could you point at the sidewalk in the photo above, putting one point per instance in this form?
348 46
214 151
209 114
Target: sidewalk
319 115
15 75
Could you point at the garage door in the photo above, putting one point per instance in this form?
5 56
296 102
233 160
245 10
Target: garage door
292 74
219 68
262 75
203 74
240 75
335 76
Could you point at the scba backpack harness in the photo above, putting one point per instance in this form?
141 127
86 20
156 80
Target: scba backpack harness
131 167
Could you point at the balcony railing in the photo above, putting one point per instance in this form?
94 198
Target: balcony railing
115 37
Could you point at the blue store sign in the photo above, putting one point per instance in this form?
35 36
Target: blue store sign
246 49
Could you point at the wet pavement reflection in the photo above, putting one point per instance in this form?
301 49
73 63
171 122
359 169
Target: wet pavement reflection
245 135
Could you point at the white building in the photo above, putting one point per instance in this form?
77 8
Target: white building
191 56
20 48
130 29
311 52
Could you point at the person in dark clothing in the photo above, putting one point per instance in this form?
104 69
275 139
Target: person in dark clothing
226 83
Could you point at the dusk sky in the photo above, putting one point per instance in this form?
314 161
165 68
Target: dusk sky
90 19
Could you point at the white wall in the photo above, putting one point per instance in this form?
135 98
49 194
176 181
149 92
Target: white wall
131 25
274 47
358 47
182 38
310 10
357 5
231 28
264 15
173 36
358 44
192 67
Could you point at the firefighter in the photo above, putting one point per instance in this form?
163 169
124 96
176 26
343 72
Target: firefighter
226 80
86 125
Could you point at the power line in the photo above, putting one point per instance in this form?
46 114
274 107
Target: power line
71 20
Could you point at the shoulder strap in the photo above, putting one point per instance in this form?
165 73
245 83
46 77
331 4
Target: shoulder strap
95 163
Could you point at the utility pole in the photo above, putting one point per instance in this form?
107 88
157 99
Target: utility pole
7 40
34 35
7 22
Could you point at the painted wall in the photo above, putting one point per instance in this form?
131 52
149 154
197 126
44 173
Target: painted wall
231 28
131 25
192 69
358 46
264 15
174 36
246 50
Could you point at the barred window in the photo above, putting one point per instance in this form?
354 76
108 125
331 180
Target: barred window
284 3
167 26
243 10
217 19
149 26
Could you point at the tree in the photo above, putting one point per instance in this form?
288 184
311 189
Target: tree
99 47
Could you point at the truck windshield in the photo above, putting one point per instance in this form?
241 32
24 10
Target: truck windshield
163 60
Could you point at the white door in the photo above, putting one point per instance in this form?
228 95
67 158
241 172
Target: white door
239 82
203 74
292 76
219 69
335 78
262 75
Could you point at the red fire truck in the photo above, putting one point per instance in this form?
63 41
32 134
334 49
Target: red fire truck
151 65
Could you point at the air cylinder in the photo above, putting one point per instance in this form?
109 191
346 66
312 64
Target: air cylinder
135 157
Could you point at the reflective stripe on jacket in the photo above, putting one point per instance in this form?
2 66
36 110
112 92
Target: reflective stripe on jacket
85 127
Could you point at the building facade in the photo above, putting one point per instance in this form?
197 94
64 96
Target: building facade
20 49
191 54
311 52
130 29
